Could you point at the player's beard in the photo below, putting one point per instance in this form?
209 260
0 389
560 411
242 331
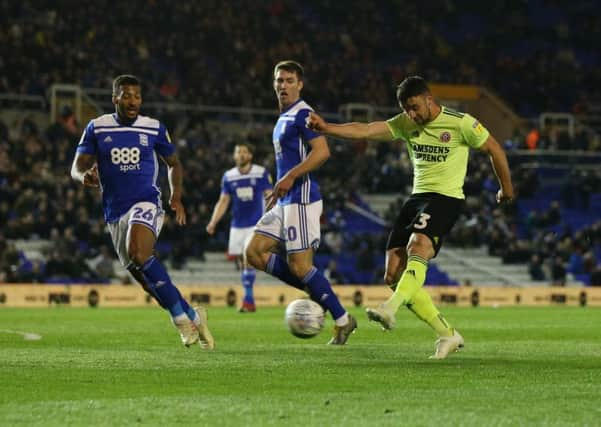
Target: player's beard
123 113
244 165
429 118
423 120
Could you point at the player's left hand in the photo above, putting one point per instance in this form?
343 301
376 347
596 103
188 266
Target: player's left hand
504 196
180 212
280 189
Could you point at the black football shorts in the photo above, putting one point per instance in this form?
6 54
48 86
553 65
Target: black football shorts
429 213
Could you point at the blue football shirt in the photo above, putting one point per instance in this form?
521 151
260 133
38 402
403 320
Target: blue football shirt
128 163
291 138
246 192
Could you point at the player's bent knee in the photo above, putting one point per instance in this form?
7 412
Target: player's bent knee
253 257
420 245
138 254
252 260
138 259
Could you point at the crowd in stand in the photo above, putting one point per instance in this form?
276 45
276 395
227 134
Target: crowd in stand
39 200
215 53
353 51
551 245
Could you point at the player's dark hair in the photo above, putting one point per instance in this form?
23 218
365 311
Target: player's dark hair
291 67
410 87
124 80
250 147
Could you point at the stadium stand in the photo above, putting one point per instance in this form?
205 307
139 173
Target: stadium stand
46 217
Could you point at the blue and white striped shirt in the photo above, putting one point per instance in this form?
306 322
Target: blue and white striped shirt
127 156
291 138
246 192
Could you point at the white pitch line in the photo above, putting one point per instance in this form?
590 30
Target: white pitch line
28 336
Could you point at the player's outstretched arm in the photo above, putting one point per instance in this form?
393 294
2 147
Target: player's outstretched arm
500 167
85 169
218 212
176 178
374 131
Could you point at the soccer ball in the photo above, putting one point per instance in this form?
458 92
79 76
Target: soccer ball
305 318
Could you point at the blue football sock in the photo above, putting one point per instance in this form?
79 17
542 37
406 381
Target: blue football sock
164 289
322 293
248 280
277 267
135 271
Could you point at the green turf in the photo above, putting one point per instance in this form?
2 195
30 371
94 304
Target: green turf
521 366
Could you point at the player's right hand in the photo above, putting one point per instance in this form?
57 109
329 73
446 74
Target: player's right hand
315 122
270 200
90 177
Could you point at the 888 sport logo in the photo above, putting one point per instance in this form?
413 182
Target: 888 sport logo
127 158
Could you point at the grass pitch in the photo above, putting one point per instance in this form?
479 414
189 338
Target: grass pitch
521 366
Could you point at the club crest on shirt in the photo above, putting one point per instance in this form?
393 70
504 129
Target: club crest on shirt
144 139
445 136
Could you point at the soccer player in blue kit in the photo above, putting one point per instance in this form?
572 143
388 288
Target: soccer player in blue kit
295 205
245 186
120 153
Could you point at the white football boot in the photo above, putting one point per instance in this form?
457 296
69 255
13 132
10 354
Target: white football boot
382 315
448 345
342 333
205 337
187 331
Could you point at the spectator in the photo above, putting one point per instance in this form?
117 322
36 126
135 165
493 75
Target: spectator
535 268
596 276
532 139
333 275
103 264
58 267
34 274
558 271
